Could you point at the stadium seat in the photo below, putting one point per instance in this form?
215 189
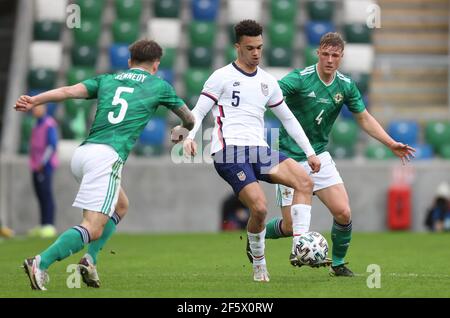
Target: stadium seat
125 31
445 151
239 10
74 128
154 132
279 57
52 10
91 9
118 56
72 107
46 54
281 34
128 9
283 10
361 80
200 57
166 74
423 151
355 11
161 111
358 58
84 55
405 131
344 133
437 134
310 56
231 35
202 33
315 30
166 8
357 33
191 100
230 54
278 72
78 74
341 152
205 10
47 30
167 32
320 10
25 133
378 151
41 79
88 33
168 58
194 79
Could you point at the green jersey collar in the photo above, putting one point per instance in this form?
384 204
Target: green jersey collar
317 73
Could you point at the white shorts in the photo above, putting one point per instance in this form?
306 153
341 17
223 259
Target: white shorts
326 177
98 169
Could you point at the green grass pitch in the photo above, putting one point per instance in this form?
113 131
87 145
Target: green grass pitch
215 265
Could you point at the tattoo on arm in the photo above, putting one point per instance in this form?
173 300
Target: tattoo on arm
186 116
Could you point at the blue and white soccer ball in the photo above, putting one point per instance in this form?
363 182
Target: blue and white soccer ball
311 249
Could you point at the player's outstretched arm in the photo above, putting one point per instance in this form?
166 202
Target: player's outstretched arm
25 102
370 125
295 130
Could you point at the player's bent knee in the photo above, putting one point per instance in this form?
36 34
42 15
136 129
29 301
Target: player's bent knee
303 185
343 215
259 209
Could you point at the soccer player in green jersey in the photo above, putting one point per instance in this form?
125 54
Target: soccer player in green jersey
126 102
316 95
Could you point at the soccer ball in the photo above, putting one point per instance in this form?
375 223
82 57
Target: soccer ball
311 249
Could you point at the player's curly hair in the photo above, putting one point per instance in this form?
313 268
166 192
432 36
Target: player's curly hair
145 51
247 28
332 39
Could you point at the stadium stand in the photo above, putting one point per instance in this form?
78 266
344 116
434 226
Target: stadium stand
197 37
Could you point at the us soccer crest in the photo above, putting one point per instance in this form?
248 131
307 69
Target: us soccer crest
265 89
338 98
241 175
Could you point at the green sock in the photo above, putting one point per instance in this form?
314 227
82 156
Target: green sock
273 229
96 246
341 236
68 243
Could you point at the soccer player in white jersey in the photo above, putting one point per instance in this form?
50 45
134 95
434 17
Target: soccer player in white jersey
238 95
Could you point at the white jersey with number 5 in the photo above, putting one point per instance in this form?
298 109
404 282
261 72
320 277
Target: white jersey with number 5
240 102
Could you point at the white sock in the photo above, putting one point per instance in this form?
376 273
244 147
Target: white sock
257 246
301 218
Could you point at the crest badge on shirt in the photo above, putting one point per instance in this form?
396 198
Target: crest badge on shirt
265 89
338 98
241 175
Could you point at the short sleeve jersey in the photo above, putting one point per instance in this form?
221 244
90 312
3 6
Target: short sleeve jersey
126 102
316 106
240 100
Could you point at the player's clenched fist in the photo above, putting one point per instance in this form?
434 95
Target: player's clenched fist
24 103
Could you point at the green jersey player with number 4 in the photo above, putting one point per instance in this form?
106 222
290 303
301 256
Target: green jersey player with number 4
126 102
316 96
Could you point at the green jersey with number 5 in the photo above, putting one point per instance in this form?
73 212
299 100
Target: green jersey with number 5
316 106
126 102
